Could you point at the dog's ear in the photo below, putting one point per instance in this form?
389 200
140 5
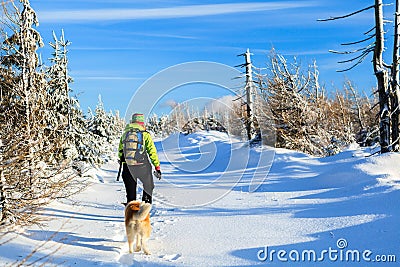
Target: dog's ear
135 206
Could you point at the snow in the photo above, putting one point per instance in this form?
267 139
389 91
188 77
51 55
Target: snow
385 168
214 207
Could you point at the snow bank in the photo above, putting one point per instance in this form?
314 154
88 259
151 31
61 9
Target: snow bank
385 167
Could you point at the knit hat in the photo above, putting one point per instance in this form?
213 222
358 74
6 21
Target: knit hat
138 118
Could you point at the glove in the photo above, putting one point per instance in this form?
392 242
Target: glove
157 173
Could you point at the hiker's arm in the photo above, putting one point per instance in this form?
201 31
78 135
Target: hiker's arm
151 150
121 147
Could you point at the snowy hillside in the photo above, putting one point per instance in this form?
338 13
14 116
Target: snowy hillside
214 207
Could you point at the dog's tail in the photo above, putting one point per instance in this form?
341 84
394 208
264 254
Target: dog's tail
143 212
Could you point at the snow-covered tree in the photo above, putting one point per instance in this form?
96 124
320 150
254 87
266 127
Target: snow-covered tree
65 110
43 130
304 117
159 126
186 119
29 142
91 148
287 91
105 128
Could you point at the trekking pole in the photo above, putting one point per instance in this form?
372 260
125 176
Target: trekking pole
119 171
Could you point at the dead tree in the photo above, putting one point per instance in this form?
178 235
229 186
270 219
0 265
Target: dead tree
382 78
394 92
250 92
380 70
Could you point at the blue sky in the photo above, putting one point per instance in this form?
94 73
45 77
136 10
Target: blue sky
117 45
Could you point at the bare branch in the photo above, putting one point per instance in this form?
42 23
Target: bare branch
373 28
356 64
389 66
361 41
366 52
370 46
348 15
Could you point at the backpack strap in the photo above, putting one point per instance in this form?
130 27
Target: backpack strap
140 140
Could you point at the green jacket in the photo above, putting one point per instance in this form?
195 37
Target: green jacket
147 142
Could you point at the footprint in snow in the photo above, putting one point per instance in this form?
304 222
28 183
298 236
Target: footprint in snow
165 221
171 257
170 221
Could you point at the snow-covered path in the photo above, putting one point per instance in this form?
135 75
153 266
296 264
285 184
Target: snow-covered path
205 212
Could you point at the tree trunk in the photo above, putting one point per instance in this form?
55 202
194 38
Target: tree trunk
382 79
249 97
4 213
394 94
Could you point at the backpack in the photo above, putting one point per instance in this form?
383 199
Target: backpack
134 150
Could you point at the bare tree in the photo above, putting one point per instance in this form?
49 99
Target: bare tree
250 96
303 116
382 78
293 100
394 92
387 85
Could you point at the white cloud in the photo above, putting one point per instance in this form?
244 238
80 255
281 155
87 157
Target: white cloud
165 13
172 36
171 103
221 104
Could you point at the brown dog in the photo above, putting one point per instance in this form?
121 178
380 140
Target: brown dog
137 224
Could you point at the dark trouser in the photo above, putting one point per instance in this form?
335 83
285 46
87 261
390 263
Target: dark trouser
130 174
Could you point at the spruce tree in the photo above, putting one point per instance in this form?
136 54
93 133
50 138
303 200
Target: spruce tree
66 107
